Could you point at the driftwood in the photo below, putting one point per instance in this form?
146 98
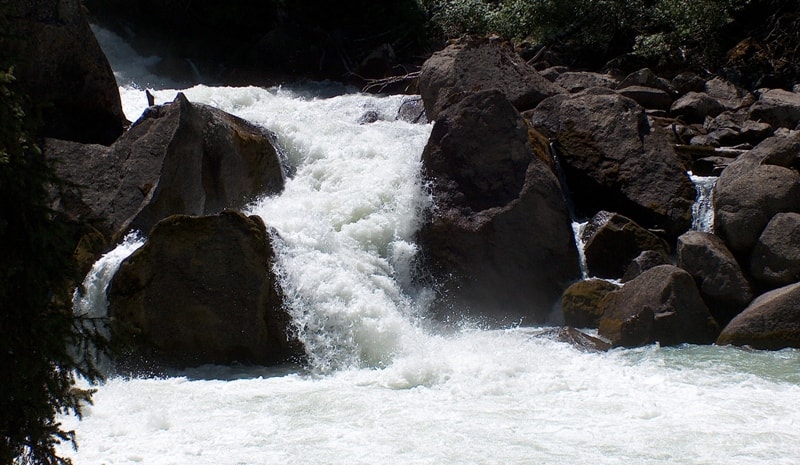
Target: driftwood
382 84
701 151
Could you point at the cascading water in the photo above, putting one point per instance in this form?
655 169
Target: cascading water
387 389
703 208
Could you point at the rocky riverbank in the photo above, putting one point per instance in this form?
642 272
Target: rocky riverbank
516 154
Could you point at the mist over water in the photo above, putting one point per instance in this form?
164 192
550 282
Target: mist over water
382 386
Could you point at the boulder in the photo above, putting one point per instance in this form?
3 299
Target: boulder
778 107
643 262
202 290
686 82
727 94
775 260
179 158
472 64
498 241
648 97
574 337
64 70
580 303
695 107
771 322
752 189
661 305
645 77
576 81
613 160
612 241
719 277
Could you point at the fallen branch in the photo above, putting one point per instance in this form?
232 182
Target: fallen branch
381 84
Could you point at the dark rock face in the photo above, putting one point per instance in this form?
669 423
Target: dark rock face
577 81
65 70
646 260
177 159
722 284
694 107
580 302
775 260
612 241
648 97
201 290
772 321
613 161
752 189
472 65
499 241
661 305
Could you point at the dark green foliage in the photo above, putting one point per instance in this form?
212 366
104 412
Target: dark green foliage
38 333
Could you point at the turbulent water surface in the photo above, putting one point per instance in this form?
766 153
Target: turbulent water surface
383 386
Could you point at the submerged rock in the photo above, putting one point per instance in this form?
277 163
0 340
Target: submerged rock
498 241
772 321
202 290
661 305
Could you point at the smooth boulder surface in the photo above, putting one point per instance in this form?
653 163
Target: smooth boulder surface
778 107
202 290
580 302
660 305
64 70
775 260
475 64
722 284
179 158
614 160
498 241
771 322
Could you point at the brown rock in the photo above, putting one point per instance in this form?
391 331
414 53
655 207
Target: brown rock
778 107
580 303
661 305
775 260
771 322
202 290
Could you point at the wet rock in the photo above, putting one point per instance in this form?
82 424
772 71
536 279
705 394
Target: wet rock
412 110
771 322
775 260
64 69
613 160
661 305
576 338
498 242
179 158
472 64
778 107
612 241
580 303
202 290
722 284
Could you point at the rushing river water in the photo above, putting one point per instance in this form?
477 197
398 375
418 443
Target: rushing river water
383 386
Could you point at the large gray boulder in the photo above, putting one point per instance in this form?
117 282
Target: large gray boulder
614 160
778 107
772 321
498 241
755 187
179 158
474 64
62 68
660 305
202 290
775 260
722 284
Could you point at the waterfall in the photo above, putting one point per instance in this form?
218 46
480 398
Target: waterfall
703 207
577 225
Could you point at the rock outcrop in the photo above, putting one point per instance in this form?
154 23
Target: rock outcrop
498 241
64 70
202 290
472 64
615 161
179 158
661 305
772 321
